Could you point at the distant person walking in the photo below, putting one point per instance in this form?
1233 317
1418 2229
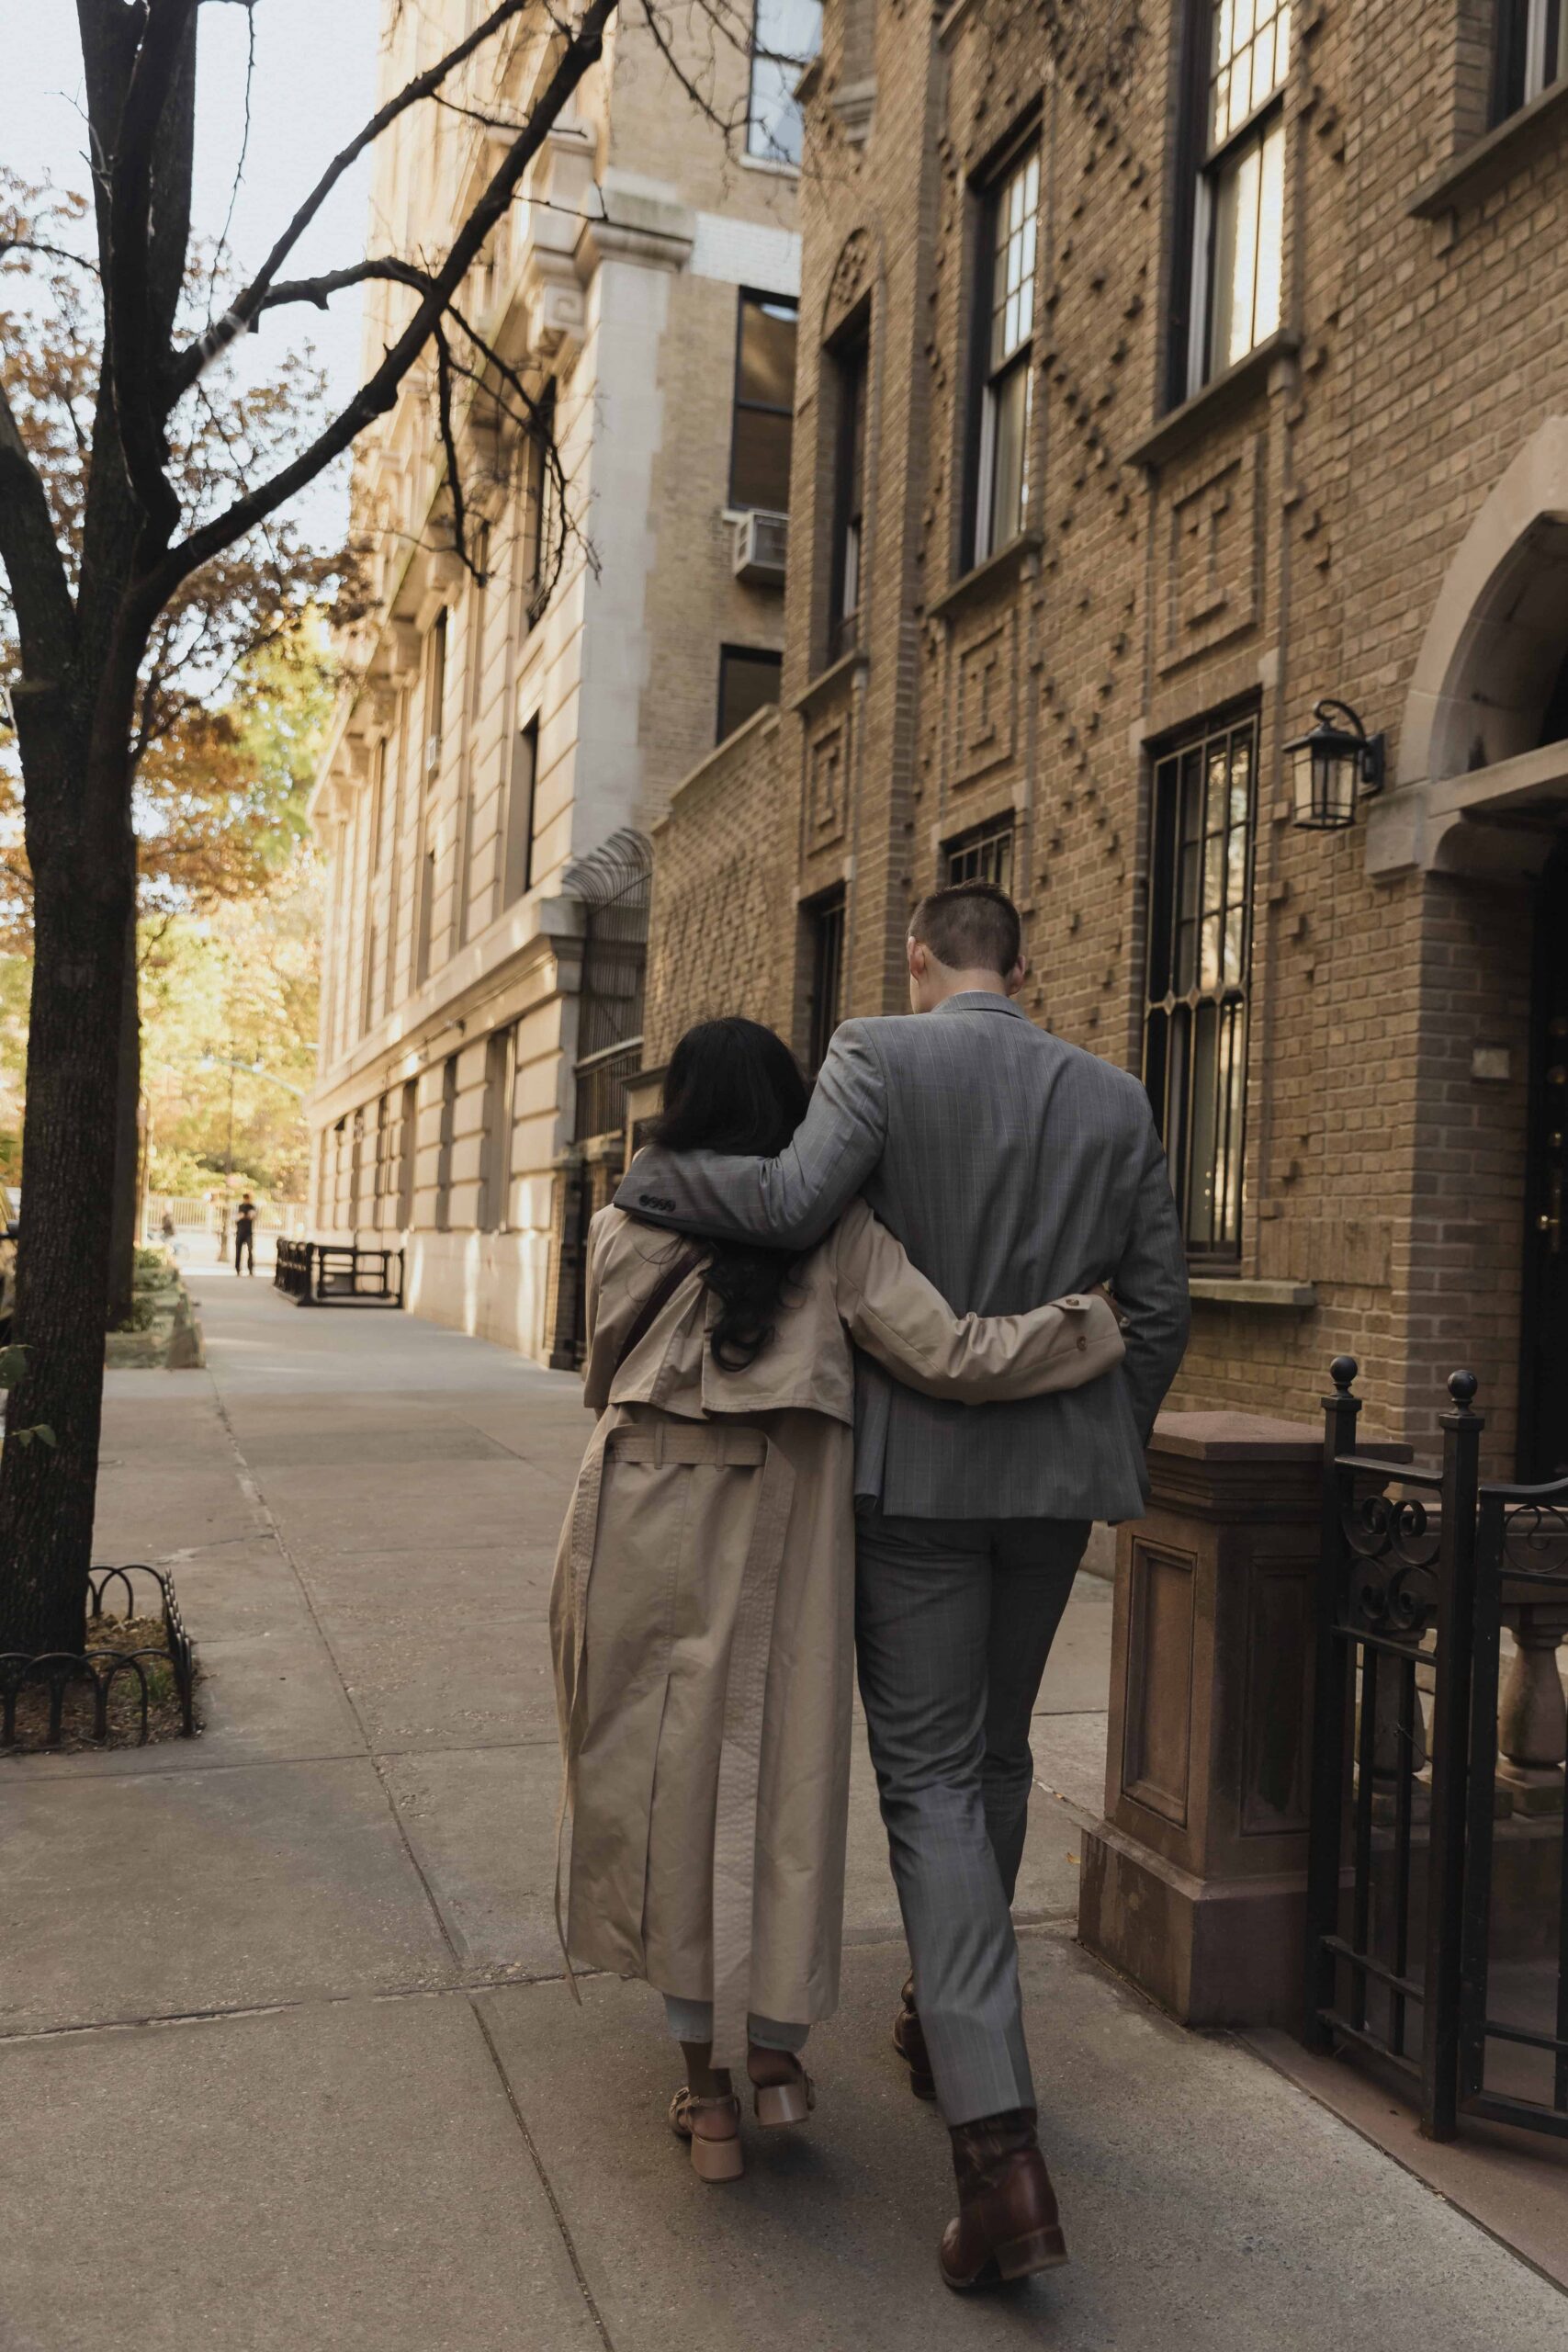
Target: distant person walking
246 1234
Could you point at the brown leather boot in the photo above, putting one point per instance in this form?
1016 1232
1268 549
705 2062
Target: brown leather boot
1007 2225
909 2041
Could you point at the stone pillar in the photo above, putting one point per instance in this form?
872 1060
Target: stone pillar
1194 1884
1532 1720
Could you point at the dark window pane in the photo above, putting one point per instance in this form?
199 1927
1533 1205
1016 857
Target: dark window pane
748 682
1199 938
985 855
827 921
765 368
758 463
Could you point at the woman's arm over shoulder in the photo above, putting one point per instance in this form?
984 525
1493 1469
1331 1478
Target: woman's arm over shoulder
899 1317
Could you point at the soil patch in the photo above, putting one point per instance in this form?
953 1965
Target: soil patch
107 1635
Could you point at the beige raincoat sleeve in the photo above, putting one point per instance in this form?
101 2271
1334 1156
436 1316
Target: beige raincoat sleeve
897 1316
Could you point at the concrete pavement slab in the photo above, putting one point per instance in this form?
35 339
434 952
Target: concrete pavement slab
416 1594
481 1823
1078 1674
1206 2207
446 1690
425 1508
348 2179
156 1894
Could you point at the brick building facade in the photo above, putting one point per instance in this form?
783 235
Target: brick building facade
1165 369
501 746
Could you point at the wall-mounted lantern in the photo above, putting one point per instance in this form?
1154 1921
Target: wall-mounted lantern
1332 768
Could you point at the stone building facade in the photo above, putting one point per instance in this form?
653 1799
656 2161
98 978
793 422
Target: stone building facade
501 746
1164 370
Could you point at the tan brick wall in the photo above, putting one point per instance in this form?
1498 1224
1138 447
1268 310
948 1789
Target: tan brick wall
1295 546
723 888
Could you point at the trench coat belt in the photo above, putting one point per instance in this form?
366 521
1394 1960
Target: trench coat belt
735 1833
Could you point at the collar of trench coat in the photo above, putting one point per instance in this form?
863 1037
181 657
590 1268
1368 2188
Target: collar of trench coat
809 1366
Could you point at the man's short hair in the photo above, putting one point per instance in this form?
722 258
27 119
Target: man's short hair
970 927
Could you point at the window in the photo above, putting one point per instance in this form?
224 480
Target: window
825 919
1007 325
1199 952
785 36
764 404
541 507
408 1151
1532 50
425 919
495 1172
748 683
517 849
848 369
1239 227
388 1159
435 693
445 1139
984 855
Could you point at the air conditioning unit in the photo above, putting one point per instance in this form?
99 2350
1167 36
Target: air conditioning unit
761 547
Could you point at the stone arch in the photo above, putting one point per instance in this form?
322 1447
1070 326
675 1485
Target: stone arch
1495 644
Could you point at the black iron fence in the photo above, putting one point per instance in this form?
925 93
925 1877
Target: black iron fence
334 1273
1438 1886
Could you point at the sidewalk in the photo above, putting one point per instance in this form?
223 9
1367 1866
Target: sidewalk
286 2064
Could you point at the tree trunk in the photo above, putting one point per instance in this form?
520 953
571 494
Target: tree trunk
128 1155
47 1492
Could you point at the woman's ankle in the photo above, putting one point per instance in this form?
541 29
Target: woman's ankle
766 2066
702 2080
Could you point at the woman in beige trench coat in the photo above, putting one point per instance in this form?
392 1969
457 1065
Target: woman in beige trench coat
702 1614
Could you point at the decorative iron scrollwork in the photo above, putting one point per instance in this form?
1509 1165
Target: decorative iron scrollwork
1535 1540
1392 1586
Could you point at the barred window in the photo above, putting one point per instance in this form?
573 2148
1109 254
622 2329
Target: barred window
983 855
1200 955
1001 500
1532 51
1239 232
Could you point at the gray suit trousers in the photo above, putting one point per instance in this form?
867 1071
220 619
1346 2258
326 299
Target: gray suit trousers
954 1622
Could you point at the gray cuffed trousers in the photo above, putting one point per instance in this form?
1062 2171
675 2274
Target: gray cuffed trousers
953 1622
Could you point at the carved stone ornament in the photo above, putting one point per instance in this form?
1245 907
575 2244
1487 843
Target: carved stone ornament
850 273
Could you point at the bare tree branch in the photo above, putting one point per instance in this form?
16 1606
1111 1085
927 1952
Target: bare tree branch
241 314
46 620
379 393
136 364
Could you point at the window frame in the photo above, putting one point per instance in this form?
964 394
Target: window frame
989 375
1203 168
964 857
826 918
1531 53
765 153
1172 843
516 875
767 655
849 355
740 405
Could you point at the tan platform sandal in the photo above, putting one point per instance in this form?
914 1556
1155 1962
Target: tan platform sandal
787 2102
713 2128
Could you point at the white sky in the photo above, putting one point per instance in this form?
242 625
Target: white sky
314 86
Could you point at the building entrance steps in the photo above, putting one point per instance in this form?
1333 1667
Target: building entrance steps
298 1978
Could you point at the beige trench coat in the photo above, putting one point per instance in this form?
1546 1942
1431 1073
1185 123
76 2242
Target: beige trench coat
701 1613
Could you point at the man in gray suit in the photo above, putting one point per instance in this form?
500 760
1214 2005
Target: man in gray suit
1013 1168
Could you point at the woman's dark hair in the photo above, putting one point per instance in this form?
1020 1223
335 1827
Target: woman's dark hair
732 1086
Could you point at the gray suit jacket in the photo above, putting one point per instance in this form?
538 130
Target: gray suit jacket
1013 1168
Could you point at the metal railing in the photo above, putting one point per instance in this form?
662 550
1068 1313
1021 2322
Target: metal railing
1406 1952
336 1273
